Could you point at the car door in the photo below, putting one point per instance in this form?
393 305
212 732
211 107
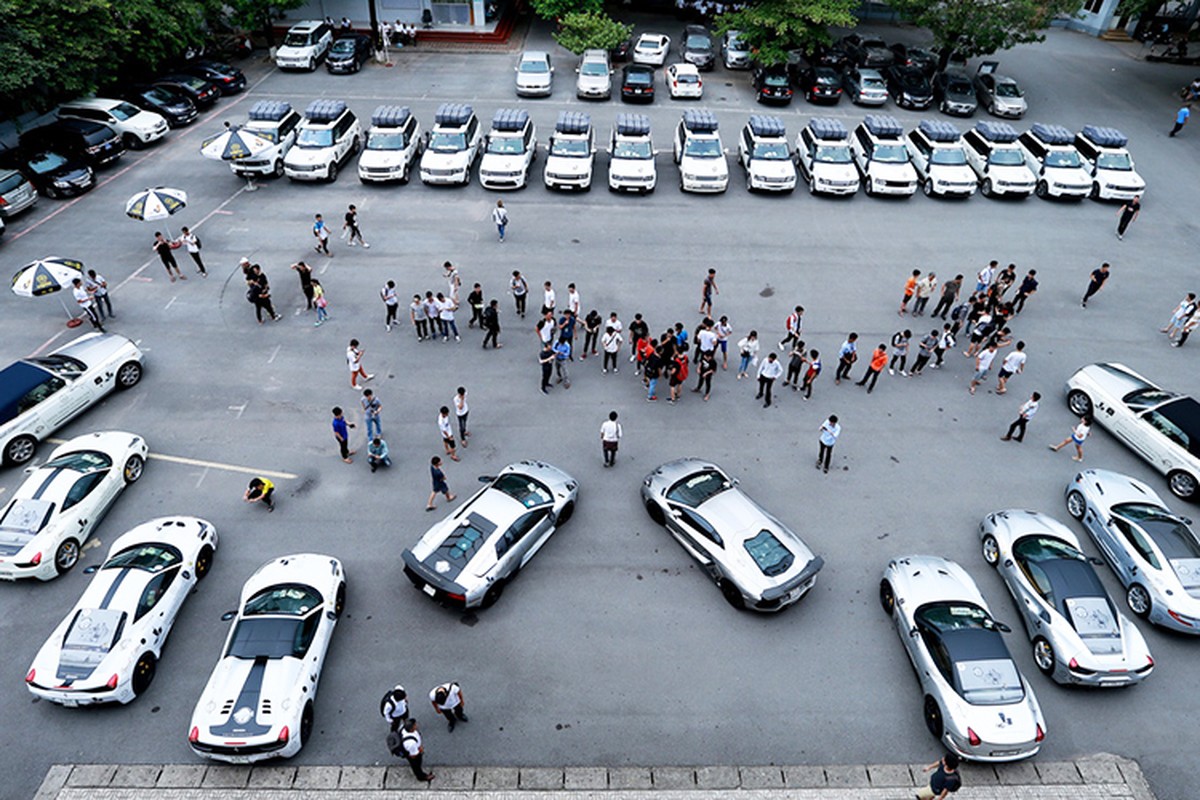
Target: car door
1105 535
157 607
530 532
1136 554
1029 587
687 527
1159 438
85 503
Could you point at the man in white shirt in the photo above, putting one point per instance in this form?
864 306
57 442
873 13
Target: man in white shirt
794 325
614 322
1013 363
192 242
462 410
394 707
391 303
1016 431
706 341
453 280
611 344
983 363
548 298
447 700
768 371
610 438
412 749
573 301
447 431
500 218
445 307
984 279
85 301
830 431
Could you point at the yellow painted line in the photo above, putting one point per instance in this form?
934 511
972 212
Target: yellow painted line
196 462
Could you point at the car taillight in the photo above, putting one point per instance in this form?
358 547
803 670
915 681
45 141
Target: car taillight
194 735
460 598
973 738
30 676
3 202
1148 658
37 559
1041 734
1073 664
283 734
112 682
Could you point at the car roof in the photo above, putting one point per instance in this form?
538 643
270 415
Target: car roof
306 25
683 66
92 102
71 124
530 55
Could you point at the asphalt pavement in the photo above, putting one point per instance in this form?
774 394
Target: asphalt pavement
612 649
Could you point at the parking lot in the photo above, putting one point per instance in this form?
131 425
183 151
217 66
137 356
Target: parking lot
612 648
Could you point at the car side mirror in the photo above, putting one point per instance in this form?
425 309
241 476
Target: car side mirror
577 70
656 151
330 615
90 570
1095 561
1000 626
228 615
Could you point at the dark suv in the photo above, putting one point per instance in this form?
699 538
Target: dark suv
91 142
818 84
53 175
696 47
908 86
174 107
867 51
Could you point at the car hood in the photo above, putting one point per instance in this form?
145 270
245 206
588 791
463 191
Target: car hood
594 81
501 163
307 156
563 165
893 172
435 160
380 158
835 172
287 51
95 349
533 80
247 700
1116 381
632 167
775 168
704 166
956 174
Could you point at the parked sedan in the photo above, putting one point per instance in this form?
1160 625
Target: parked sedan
1153 552
106 650
228 79
51 173
999 94
975 699
17 193
756 560
173 105
683 80
866 51
535 76
468 558
58 507
637 83
696 47
198 90
349 53
954 93
651 48
909 87
771 85
1078 635
864 87
919 57
258 703
818 84
1161 426
39 395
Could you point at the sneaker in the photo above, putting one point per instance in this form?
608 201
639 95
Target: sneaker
1120 236
457 338
352 244
366 246
632 359
605 370
387 328
891 371
371 377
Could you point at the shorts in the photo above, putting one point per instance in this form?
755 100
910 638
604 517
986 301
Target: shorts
441 487
448 441
675 381
724 346
1077 441
981 375
610 447
1004 374
904 300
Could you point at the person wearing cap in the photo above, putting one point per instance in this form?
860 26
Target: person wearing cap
448 701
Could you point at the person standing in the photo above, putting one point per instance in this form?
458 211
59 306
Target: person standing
768 371
638 330
610 342
983 280
409 744
445 312
1077 437
810 375
566 330
260 490
391 303
420 319
1028 287
793 327
983 363
447 432
707 290
879 360
1016 431
500 218
341 432
1181 118
562 354
794 368
748 349
900 342
475 301
491 325
1190 325
97 287
453 280
520 292
925 289
1127 214
1013 364
447 700
439 483
548 298
163 247
574 302
1183 311
830 430
321 302
546 359
394 708
944 780
304 271
1096 283
591 333
925 348
377 454
321 232
350 227
192 243
86 303
847 355
354 356
610 438
950 292
258 292
723 330
462 410
910 288
946 341
706 369
372 413
652 364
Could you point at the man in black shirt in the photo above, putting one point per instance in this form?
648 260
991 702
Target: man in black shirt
1099 276
944 780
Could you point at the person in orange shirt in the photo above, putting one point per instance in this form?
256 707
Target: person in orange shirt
879 359
910 288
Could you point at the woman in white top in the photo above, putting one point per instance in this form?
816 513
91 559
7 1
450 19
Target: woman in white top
1077 438
192 242
748 347
723 330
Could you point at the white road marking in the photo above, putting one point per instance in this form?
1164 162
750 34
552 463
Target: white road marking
197 462
46 343
238 409
200 480
271 360
171 302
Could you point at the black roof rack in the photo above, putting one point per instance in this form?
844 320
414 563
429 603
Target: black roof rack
510 119
633 124
573 122
1052 134
884 126
324 110
700 121
762 125
1105 137
939 130
270 110
453 114
826 128
390 116
998 132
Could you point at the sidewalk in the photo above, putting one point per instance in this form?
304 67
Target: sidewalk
1099 777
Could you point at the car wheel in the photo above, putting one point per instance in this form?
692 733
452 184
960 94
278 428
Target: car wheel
339 600
812 187
867 187
312 65
331 175
1076 505
927 187
1042 190
143 673
655 512
986 188
933 717
1043 655
1079 403
66 556
991 108
565 514
204 561
1138 599
277 170
991 550
493 594
20 450
129 374
306 723
132 142
733 595
887 597
1095 195
1182 484
404 176
133 469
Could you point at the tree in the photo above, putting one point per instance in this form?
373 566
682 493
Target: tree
556 9
982 27
260 14
773 27
583 30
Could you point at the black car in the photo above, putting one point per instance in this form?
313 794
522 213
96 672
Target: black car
696 47
867 51
919 57
818 84
52 174
621 51
771 85
908 86
637 83
174 107
92 143
349 53
954 93
228 79
198 90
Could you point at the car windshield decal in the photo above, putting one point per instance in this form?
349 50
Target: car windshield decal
90 637
1093 619
24 519
989 682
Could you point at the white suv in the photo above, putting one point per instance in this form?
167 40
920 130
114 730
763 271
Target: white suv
882 158
823 153
1051 150
937 153
137 128
998 161
304 45
508 150
1103 151
277 122
699 154
570 153
328 137
452 145
393 144
764 154
631 166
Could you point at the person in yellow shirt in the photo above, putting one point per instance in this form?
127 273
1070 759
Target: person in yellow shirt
262 491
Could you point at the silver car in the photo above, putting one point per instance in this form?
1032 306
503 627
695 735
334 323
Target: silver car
467 559
1078 635
1154 553
595 75
999 94
975 699
535 76
1161 426
754 558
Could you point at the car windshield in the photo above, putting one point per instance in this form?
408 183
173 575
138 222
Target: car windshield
24 519
686 77
775 79
833 154
1006 157
272 637
1147 397
948 157
289 599
196 84
639 150
315 137
385 141
639 78
1006 89
151 557
342 47
769 553
527 491
124 111
445 142
872 83
1178 421
80 461
10 182
1068 159
890 154
736 45
1115 161
593 69
698 42
698 488
959 87
771 151
506 145
703 148
61 364
571 148
648 44
270 134
160 95
536 66
295 40
46 162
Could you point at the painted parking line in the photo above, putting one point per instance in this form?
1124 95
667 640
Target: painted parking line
196 462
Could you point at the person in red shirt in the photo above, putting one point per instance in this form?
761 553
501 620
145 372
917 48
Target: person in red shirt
910 288
879 359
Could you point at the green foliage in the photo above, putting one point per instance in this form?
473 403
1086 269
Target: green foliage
556 9
772 27
975 28
257 15
583 30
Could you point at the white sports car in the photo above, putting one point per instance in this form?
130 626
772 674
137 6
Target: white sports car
1078 634
976 700
258 703
40 395
58 506
1154 553
651 48
1161 426
107 649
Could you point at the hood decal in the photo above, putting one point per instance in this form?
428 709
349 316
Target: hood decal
247 699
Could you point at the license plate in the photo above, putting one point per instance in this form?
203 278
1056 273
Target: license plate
429 590
69 703
7 576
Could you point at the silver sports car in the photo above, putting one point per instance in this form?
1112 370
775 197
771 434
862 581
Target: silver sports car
1161 426
1078 634
466 560
754 558
976 700
1154 553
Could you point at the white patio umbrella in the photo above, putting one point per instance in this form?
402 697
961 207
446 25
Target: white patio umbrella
233 143
155 204
47 276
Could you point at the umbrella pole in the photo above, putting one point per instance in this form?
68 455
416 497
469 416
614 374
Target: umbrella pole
64 305
250 186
